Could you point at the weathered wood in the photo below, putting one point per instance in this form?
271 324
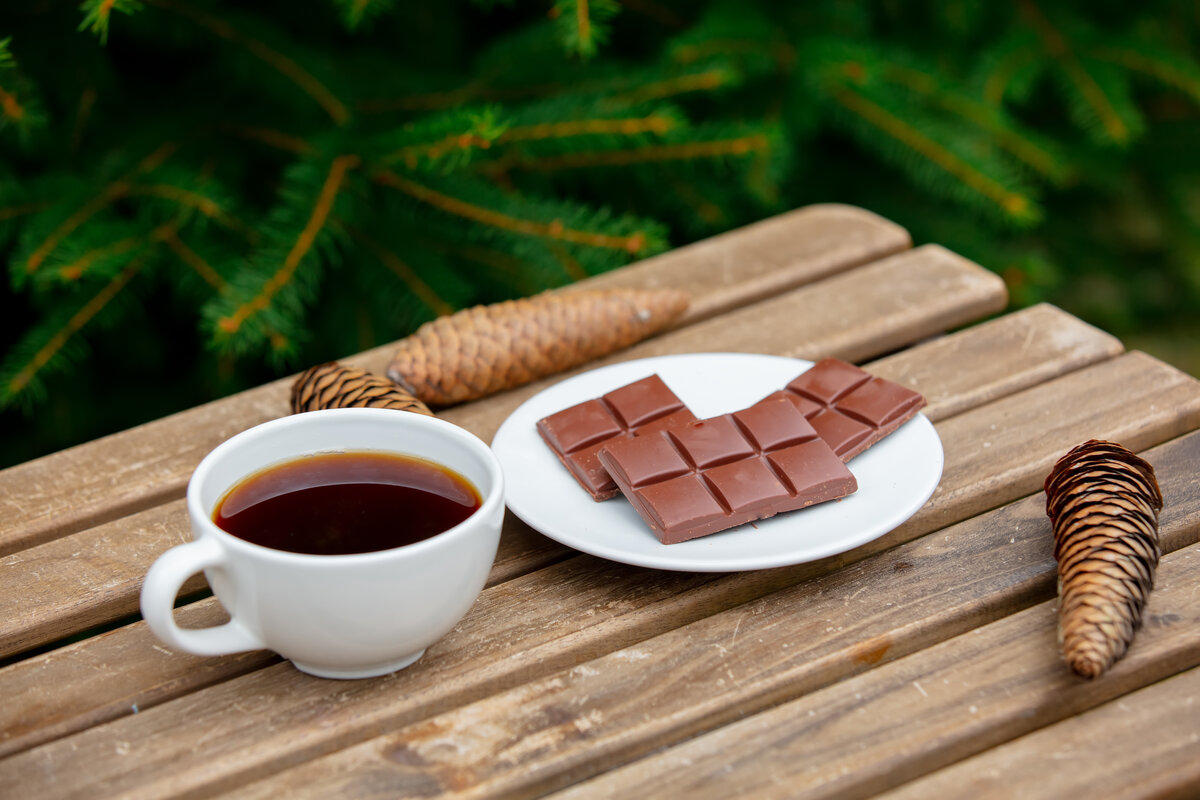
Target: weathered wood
632 702
1145 744
550 620
105 677
114 557
997 358
763 259
112 477
916 714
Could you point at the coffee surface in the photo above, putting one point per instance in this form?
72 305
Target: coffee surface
344 503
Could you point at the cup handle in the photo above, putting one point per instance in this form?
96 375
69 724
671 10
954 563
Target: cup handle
166 576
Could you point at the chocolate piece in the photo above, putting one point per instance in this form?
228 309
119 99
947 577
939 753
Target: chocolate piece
706 476
850 408
577 433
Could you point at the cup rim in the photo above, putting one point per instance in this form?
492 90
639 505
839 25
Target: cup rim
486 508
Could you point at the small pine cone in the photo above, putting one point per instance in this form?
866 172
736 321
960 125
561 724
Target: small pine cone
334 386
1103 502
486 349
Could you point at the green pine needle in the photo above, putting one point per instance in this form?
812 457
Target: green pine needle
356 13
583 25
98 14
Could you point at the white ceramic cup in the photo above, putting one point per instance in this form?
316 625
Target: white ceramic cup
341 616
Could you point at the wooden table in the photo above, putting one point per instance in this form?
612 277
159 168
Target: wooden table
923 664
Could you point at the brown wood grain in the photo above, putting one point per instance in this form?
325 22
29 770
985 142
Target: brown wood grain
997 358
914 715
220 737
1145 744
763 259
40 601
111 477
633 702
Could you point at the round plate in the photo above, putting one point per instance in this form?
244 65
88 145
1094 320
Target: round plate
895 477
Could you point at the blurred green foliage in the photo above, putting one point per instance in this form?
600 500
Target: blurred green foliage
199 195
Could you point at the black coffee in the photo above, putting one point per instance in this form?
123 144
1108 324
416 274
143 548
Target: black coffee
342 503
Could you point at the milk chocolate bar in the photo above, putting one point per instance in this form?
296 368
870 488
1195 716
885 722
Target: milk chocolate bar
850 408
576 434
706 476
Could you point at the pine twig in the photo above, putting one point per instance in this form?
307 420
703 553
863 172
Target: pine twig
551 230
683 151
622 126
981 116
25 375
233 321
107 195
1016 205
282 64
1057 46
405 273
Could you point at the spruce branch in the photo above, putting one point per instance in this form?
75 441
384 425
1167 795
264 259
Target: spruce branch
98 14
1008 70
198 195
276 139
637 242
619 126
249 313
445 142
20 105
583 25
194 261
355 13
1168 68
27 264
741 34
698 148
1021 144
407 275
46 347
1099 97
966 173
284 65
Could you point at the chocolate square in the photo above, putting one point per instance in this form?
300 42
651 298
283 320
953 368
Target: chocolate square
850 408
577 433
740 467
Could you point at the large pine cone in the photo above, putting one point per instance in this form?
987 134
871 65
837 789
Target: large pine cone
334 386
1103 502
486 349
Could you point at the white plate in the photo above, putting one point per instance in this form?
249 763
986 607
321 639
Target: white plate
895 477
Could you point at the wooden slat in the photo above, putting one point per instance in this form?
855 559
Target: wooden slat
113 557
763 259
117 475
1019 350
635 701
263 722
1146 744
908 717
42 608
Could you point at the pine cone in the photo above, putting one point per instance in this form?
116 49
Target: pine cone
486 349
334 386
1103 502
